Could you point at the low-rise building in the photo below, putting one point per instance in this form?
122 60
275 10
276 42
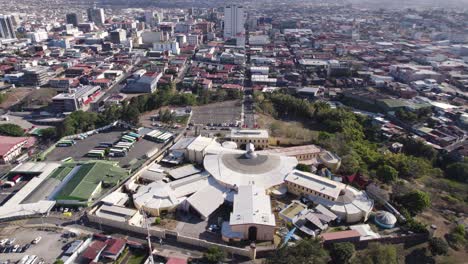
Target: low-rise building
258 137
75 99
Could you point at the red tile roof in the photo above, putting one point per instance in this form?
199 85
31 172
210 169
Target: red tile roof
114 246
173 260
7 143
94 250
340 235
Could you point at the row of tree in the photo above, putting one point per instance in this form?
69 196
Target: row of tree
131 110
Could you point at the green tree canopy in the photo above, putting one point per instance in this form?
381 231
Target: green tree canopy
214 255
457 171
341 253
415 201
438 246
303 167
377 253
387 173
307 251
12 130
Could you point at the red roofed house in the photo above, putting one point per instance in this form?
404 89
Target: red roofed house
10 147
174 260
341 236
92 253
115 247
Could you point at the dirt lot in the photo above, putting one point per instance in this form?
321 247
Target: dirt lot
287 133
14 96
218 113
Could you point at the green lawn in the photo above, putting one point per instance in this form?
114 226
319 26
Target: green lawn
137 257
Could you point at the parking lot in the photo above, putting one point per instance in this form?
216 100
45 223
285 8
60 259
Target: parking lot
82 147
219 113
48 248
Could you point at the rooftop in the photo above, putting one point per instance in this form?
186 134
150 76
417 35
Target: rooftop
251 206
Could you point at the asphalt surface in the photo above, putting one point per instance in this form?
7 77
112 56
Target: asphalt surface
249 113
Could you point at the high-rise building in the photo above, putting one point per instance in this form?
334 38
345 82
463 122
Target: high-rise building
74 19
7 30
97 16
118 36
149 18
233 21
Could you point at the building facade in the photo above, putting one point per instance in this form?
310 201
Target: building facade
233 21
7 30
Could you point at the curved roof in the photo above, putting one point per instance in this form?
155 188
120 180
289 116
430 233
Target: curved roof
235 169
385 218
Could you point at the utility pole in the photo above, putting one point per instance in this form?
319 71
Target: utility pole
145 219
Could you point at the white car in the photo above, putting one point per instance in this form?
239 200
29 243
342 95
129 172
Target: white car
36 240
15 248
3 241
11 241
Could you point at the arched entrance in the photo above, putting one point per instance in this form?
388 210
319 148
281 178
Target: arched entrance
252 233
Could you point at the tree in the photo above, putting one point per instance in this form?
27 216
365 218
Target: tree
49 133
387 173
377 253
303 167
418 148
457 237
350 163
457 171
341 253
58 261
12 130
214 255
157 221
305 251
415 201
438 246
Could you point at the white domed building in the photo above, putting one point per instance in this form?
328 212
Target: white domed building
385 219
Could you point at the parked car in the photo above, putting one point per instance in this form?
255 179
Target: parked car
213 228
36 240
15 248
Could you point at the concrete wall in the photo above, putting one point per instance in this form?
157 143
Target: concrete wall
264 232
247 252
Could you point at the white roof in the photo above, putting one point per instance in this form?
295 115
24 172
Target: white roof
251 133
208 199
24 210
293 151
365 231
44 168
200 143
184 171
115 212
252 206
116 198
265 175
316 183
165 195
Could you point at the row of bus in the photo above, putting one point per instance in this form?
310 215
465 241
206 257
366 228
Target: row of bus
123 146
119 149
159 136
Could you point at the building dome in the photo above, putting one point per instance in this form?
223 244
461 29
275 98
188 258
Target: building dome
234 168
385 219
